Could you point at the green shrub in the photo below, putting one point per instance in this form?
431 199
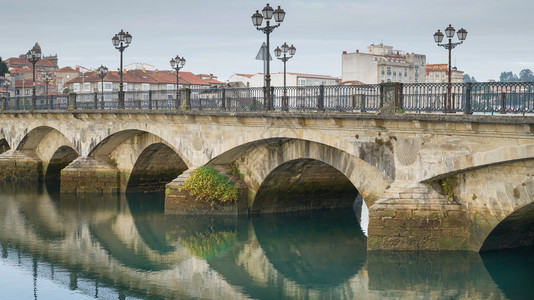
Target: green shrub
206 184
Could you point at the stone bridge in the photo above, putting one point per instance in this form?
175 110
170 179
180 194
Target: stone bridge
448 182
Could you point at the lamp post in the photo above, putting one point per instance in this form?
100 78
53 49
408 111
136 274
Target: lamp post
47 78
438 38
102 72
278 51
177 63
257 19
33 56
121 41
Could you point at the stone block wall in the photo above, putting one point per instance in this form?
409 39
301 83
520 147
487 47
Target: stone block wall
418 218
17 166
179 201
89 175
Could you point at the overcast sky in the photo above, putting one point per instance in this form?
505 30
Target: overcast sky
218 36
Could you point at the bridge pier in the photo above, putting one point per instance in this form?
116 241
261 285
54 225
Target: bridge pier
90 175
417 217
179 201
16 165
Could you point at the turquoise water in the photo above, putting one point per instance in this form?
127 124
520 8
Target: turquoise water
66 247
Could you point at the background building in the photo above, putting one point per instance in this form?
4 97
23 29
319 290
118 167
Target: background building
277 79
383 64
439 73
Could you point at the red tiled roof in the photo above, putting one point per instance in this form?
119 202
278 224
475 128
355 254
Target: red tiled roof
67 70
213 81
192 78
2 90
139 76
245 75
27 83
24 61
167 77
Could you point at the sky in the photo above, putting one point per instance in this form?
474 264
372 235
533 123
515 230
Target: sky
218 37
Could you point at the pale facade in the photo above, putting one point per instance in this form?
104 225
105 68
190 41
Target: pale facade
383 64
292 79
439 73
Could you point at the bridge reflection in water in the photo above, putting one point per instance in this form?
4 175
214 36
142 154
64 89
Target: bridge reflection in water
125 246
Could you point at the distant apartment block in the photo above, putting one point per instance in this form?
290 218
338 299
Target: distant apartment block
277 79
383 64
439 73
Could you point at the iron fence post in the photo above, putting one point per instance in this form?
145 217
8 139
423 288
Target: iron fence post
363 109
468 107
321 98
17 105
400 96
223 103
72 101
3 103
381 96
271 100
96 100
177 101
150 99
188 98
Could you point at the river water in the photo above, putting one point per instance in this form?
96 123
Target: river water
66 247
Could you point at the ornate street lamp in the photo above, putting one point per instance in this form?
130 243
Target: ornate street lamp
121 41
278 51
438 38
33 56
257 19
47 78
177 63
102 72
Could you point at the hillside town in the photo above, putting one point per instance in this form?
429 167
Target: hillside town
381 63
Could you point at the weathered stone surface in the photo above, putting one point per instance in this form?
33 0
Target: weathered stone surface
491 156
20 166
90 175
179 201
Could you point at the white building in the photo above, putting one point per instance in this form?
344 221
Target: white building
383 64
292 79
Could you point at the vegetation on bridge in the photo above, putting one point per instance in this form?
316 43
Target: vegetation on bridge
206 184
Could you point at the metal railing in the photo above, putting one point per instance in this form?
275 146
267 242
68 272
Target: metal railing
467 98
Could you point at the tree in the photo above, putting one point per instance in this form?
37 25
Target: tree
508 77
526 75
3 68
468 78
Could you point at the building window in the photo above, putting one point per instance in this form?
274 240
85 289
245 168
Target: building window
108 86
87 87
76 87
170 86
145 86
26 92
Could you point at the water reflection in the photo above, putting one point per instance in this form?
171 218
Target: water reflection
113 247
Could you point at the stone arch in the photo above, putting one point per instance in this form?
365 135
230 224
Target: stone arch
304 184
516 230
4 145
477 160
256 160
44 141
496 201
156 166
146 162
63 156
